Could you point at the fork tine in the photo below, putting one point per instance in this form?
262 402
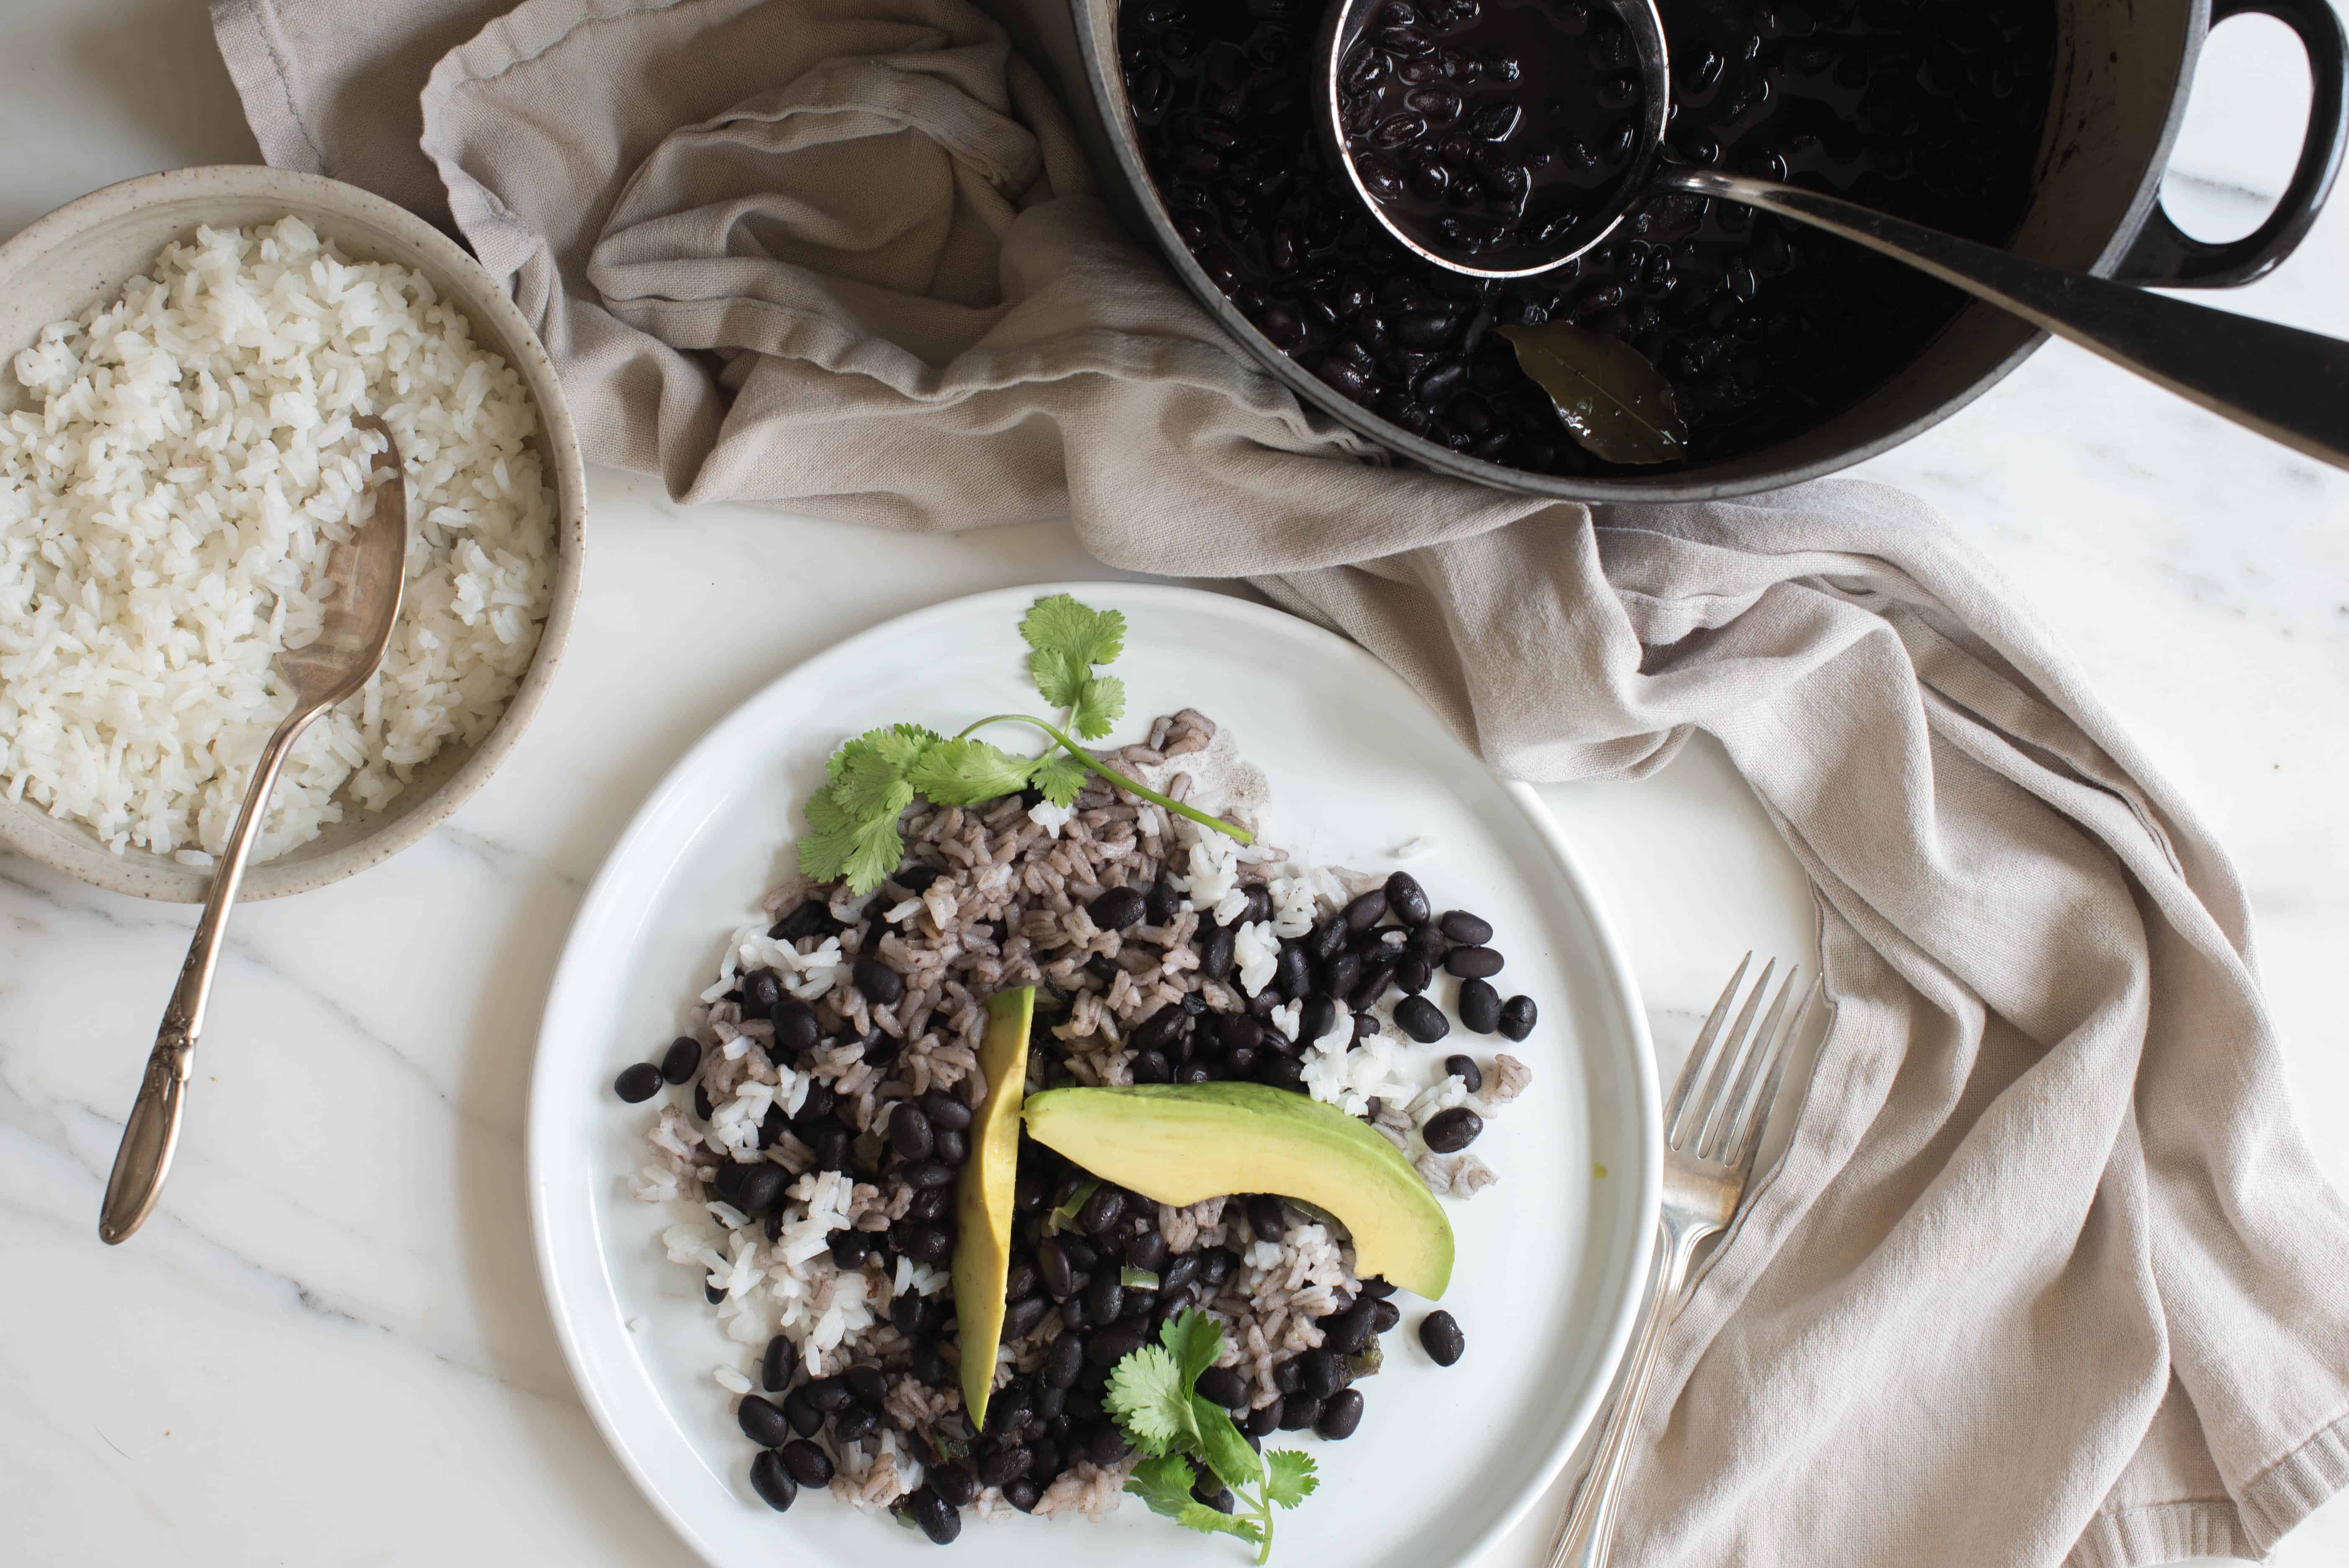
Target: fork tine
1729 1114
1755 1114
1740 1040
1699 1053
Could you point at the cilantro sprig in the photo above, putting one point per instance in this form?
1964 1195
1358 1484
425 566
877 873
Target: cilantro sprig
853 820
1180 1432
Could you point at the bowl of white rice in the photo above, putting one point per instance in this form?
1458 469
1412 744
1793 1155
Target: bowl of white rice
181 356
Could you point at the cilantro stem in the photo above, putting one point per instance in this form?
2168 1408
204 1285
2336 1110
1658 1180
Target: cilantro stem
1119 779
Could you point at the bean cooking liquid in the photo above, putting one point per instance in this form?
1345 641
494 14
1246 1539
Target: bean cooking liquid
1931 109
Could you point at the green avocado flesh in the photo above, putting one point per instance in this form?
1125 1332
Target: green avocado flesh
982 1257
1178 1144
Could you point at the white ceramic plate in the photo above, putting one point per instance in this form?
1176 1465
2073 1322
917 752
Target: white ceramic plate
1549 1262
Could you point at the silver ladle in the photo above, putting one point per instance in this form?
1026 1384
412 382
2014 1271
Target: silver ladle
2288 385
364 578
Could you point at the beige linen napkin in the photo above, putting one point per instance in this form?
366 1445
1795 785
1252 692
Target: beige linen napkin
2047 1275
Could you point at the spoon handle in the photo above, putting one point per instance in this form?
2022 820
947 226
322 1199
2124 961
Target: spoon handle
2288 385
153 1131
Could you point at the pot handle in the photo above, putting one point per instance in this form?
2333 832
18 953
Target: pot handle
2166 256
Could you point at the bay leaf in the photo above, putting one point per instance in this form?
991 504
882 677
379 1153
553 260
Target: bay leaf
1611 399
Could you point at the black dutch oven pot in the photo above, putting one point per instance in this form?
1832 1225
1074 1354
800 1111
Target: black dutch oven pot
2123 71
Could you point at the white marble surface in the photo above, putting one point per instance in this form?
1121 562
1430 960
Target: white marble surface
330 1347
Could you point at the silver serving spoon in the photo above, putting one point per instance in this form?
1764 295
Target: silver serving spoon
364 580
2288 385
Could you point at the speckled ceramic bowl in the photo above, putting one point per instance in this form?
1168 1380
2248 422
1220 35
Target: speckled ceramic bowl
83 254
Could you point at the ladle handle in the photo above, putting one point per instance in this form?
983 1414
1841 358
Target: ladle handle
2288 385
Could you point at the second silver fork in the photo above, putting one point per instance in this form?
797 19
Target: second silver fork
1712 1127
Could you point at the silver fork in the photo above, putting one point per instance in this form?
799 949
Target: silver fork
1713 1125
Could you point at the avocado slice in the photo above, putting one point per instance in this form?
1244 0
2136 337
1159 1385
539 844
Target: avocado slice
982 1256
1178 1144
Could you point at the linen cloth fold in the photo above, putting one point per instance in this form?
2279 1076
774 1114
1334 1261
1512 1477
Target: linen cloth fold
2046 1274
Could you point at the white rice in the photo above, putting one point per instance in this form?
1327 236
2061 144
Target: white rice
166 510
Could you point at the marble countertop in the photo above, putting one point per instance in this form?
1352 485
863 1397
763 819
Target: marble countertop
330 1345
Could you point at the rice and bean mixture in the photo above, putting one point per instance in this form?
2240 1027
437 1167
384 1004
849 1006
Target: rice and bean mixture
831 1073
167 506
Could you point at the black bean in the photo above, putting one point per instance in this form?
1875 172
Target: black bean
856 1423
926 1174
1263 1423
1082 1254
1265 1217
1438 1331
1280 1071
1449 1132
880 1048
1466 929
683 1055
1412 974
940 1519
880 984
1292 974
1216 1264
1517 1016
775 1366
910 1133
805 1416
1327 939
1150 1067
806 920
1105 1445
1022 1494
1428 941
1480 1004
951 1145
1022 1315
1147 1252
930 1365
1237 1030
1368 908
1406 899
830 1145
763 1422
638 1082
1102 1211
1119 907
796 1030
1215 963
866 1383
1473 964
828 1394
771 1479
1377 1289
1422 1021
1003 1464
849 1248
1105 1298
1181 1272
912 1314
1385 1315
1259 904
1115 1343
1342 974
1162 903
1319 1373
772 1125
810 1465
705 1110
1318 1017
954 1483
929 1244
761 988
1299 1411
1044 1460
1063 1360
1340 1414
1465 1068
752 1189
1223 1385
1195 1073
1374 987
1350 1331
946 1113
1365 1025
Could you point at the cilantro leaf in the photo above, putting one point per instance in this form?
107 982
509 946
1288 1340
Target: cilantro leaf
1100 699
865 850
1165 1485
1069 639
1151 1398
1195 1340
1221 1446
964 773
1060 776
1289 1478
1208 1521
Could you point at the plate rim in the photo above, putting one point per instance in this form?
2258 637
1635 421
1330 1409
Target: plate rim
1612 961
